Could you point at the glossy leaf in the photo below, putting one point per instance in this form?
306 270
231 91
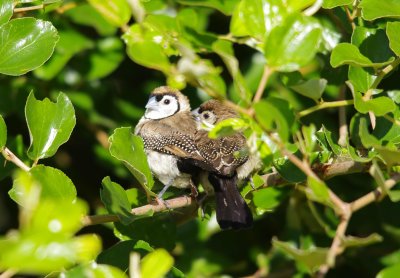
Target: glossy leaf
53 184
129 149
94 270
256 18
116 12
313 88
50 124
3 133
116 201
387 8
6 11
26 43
379 105
156 264
225 50
311 259
329 4
293 44
146 50
393 31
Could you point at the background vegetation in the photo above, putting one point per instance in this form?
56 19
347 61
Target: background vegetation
316 83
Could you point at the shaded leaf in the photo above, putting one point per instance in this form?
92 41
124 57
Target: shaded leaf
225 6
312 88
318 191
94 270
50 124
312 259
26 44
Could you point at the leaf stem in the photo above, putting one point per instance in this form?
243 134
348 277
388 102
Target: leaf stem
26 9
314 8
325 105
10 156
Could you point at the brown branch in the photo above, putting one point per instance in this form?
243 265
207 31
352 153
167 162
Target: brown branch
261 87
8 273
26 9
179 202
10 156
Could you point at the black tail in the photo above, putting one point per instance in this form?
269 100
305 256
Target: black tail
232 210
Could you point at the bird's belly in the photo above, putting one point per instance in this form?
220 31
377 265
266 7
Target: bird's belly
165 169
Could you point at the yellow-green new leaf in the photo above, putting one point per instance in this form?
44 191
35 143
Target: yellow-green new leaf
156 264
393 33
116 12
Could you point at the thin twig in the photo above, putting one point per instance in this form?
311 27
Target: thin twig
325 105
10 156
26 9
8 273
350 17
343 133
179 202
261 87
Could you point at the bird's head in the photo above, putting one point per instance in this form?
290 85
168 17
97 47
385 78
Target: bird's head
212 112
164 102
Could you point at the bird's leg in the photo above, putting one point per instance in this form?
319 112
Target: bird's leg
159 198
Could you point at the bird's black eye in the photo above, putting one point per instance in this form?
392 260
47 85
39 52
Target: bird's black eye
206 116
159 97
167 101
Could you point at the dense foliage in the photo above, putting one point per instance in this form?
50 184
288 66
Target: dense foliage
315 82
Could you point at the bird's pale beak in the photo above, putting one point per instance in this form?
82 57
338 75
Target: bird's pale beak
195 113
151 104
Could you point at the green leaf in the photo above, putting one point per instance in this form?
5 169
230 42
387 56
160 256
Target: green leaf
267 199
156 264
94 270
35 253
394 95
116 201
227 127
318 191
312 88
289 171
312 259
3 133
393 31
361 78
51 182
379 106
329 4
293 43
256 18
129 149
391 157
389 272
145 49
118 254
225 6
50 124
85 14
387 8
116 12
26 44
351 241
225 50
348 54
6 11
275 114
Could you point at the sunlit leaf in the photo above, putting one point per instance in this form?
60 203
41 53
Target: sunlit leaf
6 11
329 4
156 264
393 31
94 270
387 8
3 133
389 272
318 191
116 12
50 124
268 198
130 149
227 127
26 43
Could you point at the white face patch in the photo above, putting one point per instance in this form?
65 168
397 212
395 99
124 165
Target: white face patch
205 120
161 106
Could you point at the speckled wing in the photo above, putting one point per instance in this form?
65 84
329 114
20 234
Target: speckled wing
173 135
222 155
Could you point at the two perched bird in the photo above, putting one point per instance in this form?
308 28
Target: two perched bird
179 152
